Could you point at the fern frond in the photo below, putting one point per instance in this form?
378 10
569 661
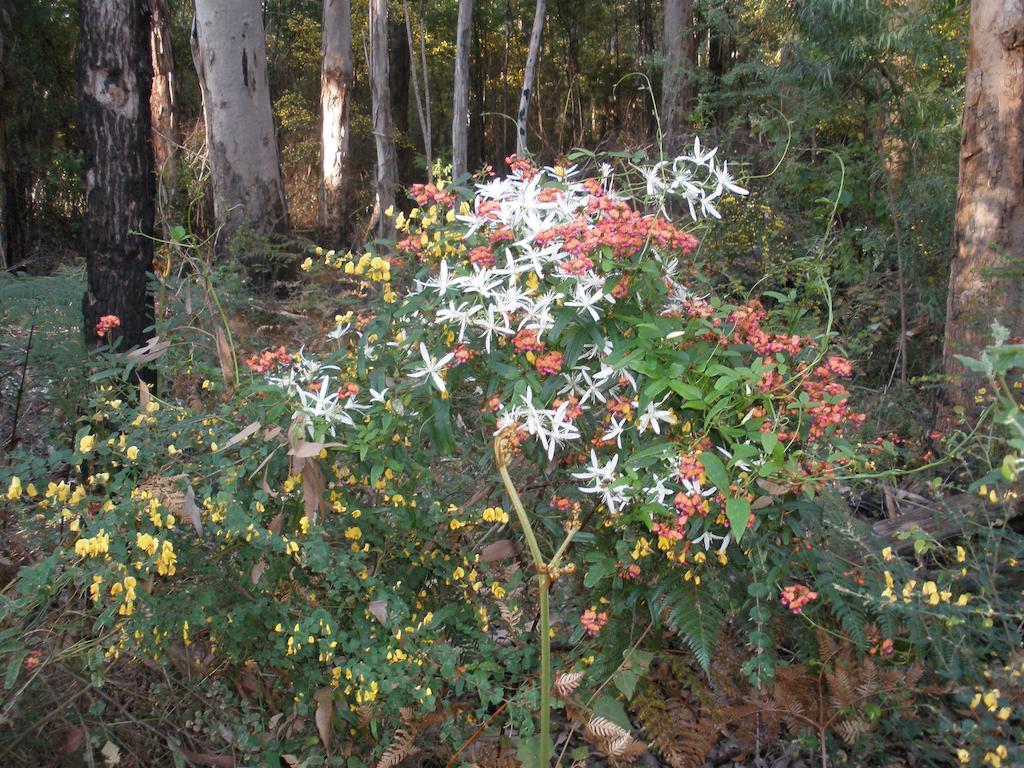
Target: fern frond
567 682
604 728
400 748
698 622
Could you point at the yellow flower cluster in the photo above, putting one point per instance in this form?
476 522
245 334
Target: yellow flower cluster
930 592
990 700
642 549
495 515
995 498
93 547
367 265
128 588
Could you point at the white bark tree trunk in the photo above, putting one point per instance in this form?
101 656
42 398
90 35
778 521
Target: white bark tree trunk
677 48
383 134
336 80
529 75
460 109
229 50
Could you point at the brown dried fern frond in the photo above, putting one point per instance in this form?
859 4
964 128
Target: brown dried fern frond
603 728
675 720
400 748
567 682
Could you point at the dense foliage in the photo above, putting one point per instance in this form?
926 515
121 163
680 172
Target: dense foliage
331 520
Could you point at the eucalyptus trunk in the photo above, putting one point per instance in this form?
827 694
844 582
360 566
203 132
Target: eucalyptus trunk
229 50
163 110
336 81
114 120
383 132
460 109
676 89
529 76
985 282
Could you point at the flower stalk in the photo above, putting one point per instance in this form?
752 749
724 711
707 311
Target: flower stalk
545 573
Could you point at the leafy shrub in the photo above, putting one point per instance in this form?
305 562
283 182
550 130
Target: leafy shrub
333 521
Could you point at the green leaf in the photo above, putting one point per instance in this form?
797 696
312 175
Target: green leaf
528 750
13 668
738 512
598 571
633 669
614 710
716 471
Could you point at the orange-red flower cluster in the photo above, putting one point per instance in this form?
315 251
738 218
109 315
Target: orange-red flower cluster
593 621
268 359
797 597
427 194
107 324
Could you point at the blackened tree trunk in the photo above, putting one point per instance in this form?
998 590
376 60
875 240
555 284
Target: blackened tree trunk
5 260
676 89
399 75
163 111
383 130
336 80
114 89
985 282
460 108
529 77
230 54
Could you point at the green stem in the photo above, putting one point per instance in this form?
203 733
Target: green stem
543 584
545 673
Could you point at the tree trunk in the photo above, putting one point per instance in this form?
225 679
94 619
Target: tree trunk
229 51
387 157
163 115
399 76
5 260
988 235
114 120
529 75
336 81
460 107
676 91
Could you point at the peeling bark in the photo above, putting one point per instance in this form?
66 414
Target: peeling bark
114 120
162 109
985 283
229 51
336 81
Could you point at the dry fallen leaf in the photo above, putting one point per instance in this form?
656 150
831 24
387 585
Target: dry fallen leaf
111 754
243 434
312 488
379 609
73 739
498 550
258 570
227 366
324 698
190 508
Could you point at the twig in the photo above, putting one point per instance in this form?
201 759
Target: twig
21 383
